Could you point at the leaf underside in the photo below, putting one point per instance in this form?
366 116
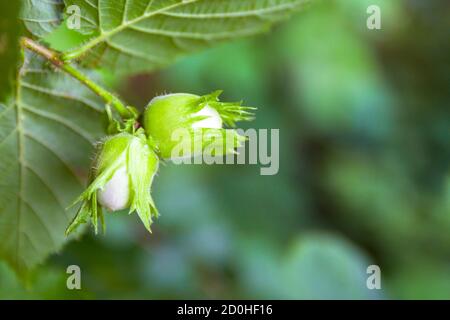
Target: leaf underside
46 137
41 16
140 35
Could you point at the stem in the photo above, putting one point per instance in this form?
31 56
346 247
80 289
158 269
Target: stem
55 58
77 52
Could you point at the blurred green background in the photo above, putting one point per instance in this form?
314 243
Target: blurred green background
364 171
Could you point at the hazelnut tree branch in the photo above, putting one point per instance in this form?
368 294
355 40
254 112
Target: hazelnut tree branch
55 58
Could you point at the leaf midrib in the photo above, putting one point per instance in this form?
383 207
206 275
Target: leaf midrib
20 138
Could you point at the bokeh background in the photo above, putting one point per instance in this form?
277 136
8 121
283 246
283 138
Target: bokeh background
364 171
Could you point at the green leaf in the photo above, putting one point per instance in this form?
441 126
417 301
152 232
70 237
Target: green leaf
9 35
41 16
140 35
46 137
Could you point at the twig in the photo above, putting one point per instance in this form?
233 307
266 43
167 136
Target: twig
55 58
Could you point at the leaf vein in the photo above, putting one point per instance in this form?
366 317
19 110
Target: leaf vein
59 120
55 93
45 146
41 221
236 14
47 186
